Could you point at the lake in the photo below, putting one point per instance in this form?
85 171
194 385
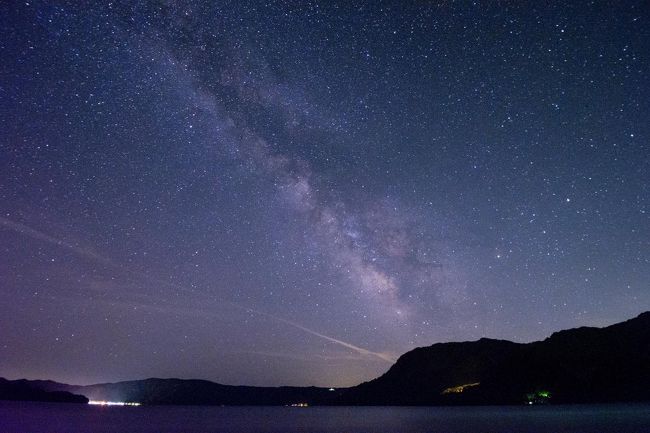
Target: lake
25 417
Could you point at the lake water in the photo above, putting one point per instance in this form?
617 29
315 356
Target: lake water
26 417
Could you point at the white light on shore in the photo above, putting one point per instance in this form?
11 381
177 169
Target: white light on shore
112 403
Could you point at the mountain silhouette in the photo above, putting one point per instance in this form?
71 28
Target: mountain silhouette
29 390
582 365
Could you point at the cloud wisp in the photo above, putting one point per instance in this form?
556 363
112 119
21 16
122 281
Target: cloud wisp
90 254
83 252
360 350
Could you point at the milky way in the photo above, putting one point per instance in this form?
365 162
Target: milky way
267 193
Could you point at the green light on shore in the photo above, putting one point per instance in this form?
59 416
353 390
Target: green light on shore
538 397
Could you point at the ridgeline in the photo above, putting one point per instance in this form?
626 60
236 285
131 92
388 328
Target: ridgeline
583 365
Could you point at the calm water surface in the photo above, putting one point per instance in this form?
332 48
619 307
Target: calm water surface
25 417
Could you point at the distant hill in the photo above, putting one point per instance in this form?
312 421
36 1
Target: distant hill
583 365
25 390
197 392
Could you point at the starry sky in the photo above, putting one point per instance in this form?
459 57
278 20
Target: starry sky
296 193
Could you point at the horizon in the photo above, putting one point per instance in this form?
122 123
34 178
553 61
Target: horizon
266 194
308 385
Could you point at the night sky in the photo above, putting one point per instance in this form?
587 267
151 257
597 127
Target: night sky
299 192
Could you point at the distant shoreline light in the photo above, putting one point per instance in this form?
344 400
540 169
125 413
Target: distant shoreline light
112 403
